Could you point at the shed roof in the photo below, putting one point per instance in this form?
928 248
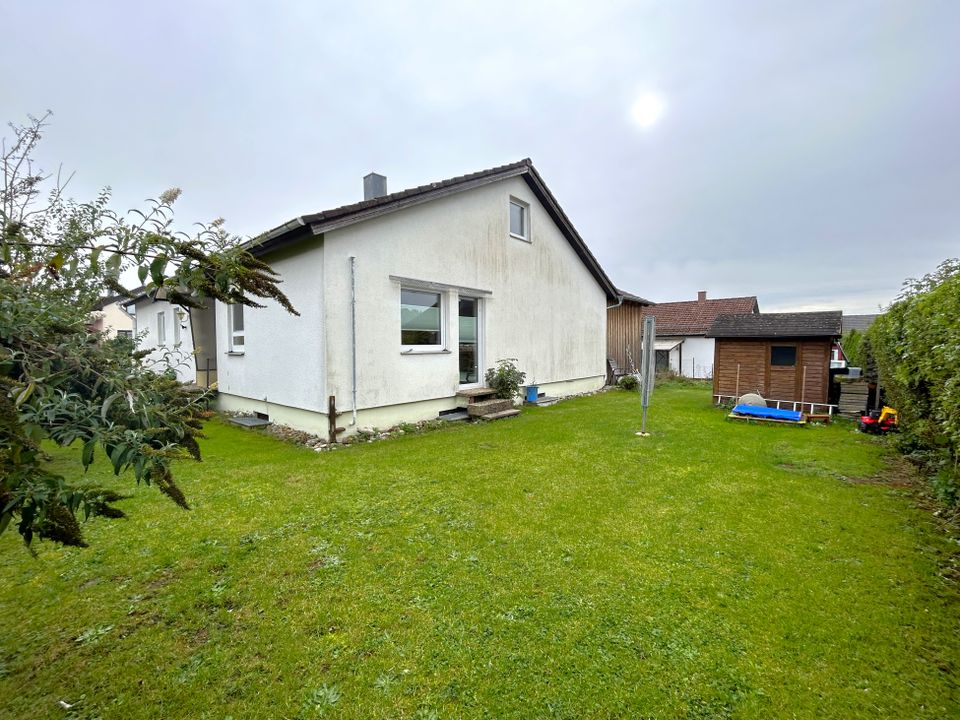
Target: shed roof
695 317
317 223
778 325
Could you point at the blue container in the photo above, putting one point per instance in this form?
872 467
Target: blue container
532 393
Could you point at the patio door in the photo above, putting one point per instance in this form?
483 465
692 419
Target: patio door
470 339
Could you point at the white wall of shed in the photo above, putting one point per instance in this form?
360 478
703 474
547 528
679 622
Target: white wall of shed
693 358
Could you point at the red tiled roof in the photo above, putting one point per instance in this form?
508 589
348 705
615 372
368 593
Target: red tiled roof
695 317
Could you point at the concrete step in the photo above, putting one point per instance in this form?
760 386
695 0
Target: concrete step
500 415
473 395
487 407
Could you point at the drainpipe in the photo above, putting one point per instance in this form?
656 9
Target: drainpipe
353 330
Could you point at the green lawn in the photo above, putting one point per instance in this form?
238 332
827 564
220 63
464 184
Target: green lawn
554 565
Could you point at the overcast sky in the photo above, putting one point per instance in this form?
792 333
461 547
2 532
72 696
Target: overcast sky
804 152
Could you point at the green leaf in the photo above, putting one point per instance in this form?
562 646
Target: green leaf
87 456
4 521
25 394
156 270
142 273
106 405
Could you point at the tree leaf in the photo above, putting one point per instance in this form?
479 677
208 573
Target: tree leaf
106 405
25 394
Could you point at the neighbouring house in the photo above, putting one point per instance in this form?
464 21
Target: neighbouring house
682 345
179 339
784 357
406 299
111 318
860 323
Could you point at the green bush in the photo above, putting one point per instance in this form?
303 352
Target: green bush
506 379
628 382
916 345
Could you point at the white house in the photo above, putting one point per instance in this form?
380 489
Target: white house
111 318
406 299
682 345
179 339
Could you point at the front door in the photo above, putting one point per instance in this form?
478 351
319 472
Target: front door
469 341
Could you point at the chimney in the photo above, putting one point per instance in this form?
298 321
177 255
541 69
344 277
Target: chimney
702 296
374 186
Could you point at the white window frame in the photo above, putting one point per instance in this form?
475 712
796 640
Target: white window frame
525 207
420 349
177 321
161 328
237 348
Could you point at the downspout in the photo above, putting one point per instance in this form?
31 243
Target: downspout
353 331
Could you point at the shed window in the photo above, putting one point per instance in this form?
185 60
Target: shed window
784 355
161 328
421 321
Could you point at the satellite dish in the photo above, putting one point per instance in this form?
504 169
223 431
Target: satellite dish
752 399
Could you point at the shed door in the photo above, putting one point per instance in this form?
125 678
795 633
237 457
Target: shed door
783 371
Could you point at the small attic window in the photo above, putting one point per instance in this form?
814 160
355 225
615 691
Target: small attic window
519 219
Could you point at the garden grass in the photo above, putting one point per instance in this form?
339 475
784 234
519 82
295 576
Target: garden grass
553 565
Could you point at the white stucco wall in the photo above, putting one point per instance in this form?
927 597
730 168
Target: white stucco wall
283 355
693 357
544 308
171 353
697 357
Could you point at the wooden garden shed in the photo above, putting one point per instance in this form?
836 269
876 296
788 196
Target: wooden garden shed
784 357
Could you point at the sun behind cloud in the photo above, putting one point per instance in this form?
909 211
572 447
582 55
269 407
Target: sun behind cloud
647 110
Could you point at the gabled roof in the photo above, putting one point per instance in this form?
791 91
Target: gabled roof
695 317
778 325
858 322
317 223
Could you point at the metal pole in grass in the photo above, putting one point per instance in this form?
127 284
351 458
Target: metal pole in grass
648 369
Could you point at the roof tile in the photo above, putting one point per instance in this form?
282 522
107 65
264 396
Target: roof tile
694 317
782 325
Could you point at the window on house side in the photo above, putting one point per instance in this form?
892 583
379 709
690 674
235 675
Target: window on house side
177 320
783 355
236 328
421 319
519 220
161 328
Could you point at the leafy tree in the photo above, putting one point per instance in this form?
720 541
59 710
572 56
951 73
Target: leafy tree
63 383
916 344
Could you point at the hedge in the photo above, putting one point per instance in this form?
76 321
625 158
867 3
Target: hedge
916 344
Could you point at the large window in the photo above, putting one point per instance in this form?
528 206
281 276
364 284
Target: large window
421 319
161 328
235 313
519 219
783 355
